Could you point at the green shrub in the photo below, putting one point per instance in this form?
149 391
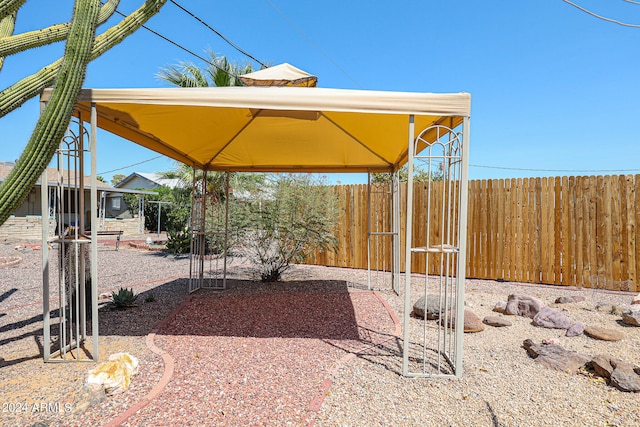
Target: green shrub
178 242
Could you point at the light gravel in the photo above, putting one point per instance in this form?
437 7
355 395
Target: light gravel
500 385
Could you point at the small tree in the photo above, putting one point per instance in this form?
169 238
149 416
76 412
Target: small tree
117 178
298 217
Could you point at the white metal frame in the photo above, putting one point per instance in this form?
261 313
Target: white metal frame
64 338
437 350
204 267
381 263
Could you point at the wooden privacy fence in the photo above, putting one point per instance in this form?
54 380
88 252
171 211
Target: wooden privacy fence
576 231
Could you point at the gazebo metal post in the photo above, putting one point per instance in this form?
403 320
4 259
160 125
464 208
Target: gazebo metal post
407 265
395 225
93 143
462 240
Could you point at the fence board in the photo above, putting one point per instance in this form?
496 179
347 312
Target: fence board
561 230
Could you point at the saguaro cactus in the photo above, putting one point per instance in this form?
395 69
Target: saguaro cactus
68 72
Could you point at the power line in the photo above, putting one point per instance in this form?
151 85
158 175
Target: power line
178 45
135 164
604 18
554 170
232 44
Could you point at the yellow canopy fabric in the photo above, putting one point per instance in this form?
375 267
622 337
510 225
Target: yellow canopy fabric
264 129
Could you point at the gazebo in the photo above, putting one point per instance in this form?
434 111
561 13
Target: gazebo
303 129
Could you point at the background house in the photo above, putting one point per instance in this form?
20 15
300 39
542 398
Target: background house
26 222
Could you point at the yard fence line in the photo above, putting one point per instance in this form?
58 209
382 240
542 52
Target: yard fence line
573 231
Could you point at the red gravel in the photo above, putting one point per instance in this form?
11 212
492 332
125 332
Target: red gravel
260 358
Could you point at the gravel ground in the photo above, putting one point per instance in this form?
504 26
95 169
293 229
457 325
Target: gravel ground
261 368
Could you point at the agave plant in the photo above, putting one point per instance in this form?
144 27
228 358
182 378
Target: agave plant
124 298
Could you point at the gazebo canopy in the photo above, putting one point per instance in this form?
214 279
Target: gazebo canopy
273 128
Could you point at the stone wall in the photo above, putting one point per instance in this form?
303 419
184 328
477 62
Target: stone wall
28 228
128 226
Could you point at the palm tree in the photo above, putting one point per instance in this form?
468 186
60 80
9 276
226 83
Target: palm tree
219 72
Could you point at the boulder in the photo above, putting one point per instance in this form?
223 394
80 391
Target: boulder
621 375
115 374
496 321
636 300
631 317
570 299
554 356
431 308
575 330
472 322
603 334
551 318
523 305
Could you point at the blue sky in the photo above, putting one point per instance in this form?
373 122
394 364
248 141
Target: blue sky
553 89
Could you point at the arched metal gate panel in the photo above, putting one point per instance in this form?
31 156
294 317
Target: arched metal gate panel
433 348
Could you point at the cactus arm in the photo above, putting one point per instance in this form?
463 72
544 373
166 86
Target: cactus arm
45 36
7 7
126 27
7 25
43 143
20 92
56 116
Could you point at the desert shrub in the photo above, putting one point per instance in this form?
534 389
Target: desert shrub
298 218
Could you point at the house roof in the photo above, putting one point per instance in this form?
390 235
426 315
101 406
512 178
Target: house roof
68 179
155 179
274 128
52 175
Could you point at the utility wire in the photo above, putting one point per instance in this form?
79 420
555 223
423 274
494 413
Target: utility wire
135 164
232 44
178 45
554 170
604 18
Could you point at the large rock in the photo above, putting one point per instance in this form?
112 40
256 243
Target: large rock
551 318
472 322
631 317
496 321
523 305
114 374
603 334
431 308
620 374
554 356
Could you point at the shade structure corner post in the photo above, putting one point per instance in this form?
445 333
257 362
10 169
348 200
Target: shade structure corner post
408 238
395 224
93 143
462 245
